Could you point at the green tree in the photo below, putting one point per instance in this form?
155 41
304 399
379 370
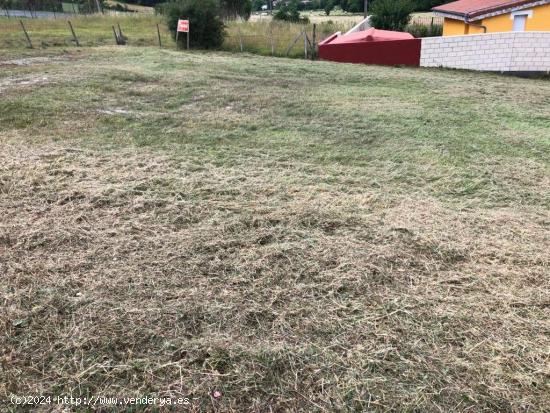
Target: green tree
426 5
207 30
257 5
236 8
329 6
288 12
5 4
356 6
352 6
391 14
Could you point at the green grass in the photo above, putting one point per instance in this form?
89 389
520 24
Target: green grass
92 30
300 236
277 38
140 29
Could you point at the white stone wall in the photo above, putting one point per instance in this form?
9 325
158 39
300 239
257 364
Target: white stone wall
503 52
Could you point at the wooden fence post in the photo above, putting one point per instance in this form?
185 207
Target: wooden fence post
74 34
26 34
314 40
305 43
293 43
240 40
271 39
116 35
158 34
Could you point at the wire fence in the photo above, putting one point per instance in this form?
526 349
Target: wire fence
427 20
279 38
43 9
54 13
90 30
46 14
267 38
301 44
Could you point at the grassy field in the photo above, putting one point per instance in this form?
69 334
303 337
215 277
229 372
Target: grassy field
316 16
140 29
263 37
296 235
338 17
133 7
93 30
274 38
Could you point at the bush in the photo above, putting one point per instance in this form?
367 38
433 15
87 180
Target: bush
421 30
207 30
391 14
289 13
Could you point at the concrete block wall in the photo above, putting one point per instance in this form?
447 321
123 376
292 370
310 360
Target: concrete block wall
502 52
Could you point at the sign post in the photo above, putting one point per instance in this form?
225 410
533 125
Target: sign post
183 26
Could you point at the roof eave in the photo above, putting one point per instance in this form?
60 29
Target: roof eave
483 14
455 16
497 12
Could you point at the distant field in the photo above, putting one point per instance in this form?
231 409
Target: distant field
295 235
134 7
316 17
266 37
140 30
259 35
340 18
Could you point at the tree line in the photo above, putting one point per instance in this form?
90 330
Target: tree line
350 6
230 8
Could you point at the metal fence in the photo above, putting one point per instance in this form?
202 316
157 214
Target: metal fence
301 44
427 20
44 9
92 30
54 13
279 39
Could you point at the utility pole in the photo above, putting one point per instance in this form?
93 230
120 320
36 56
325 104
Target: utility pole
366 6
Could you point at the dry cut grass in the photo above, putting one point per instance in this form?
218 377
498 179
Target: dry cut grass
297 236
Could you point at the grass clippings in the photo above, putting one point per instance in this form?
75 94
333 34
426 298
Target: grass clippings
264 234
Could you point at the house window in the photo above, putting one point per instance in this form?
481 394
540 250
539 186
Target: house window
520 19
519 22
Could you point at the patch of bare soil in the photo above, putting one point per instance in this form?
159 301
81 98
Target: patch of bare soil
30 61
22 81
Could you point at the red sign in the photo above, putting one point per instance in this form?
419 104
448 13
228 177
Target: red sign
183 26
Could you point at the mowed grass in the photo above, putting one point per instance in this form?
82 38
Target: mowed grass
299 236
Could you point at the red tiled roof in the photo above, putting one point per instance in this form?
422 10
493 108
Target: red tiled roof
472 8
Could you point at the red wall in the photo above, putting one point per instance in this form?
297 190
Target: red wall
392 52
